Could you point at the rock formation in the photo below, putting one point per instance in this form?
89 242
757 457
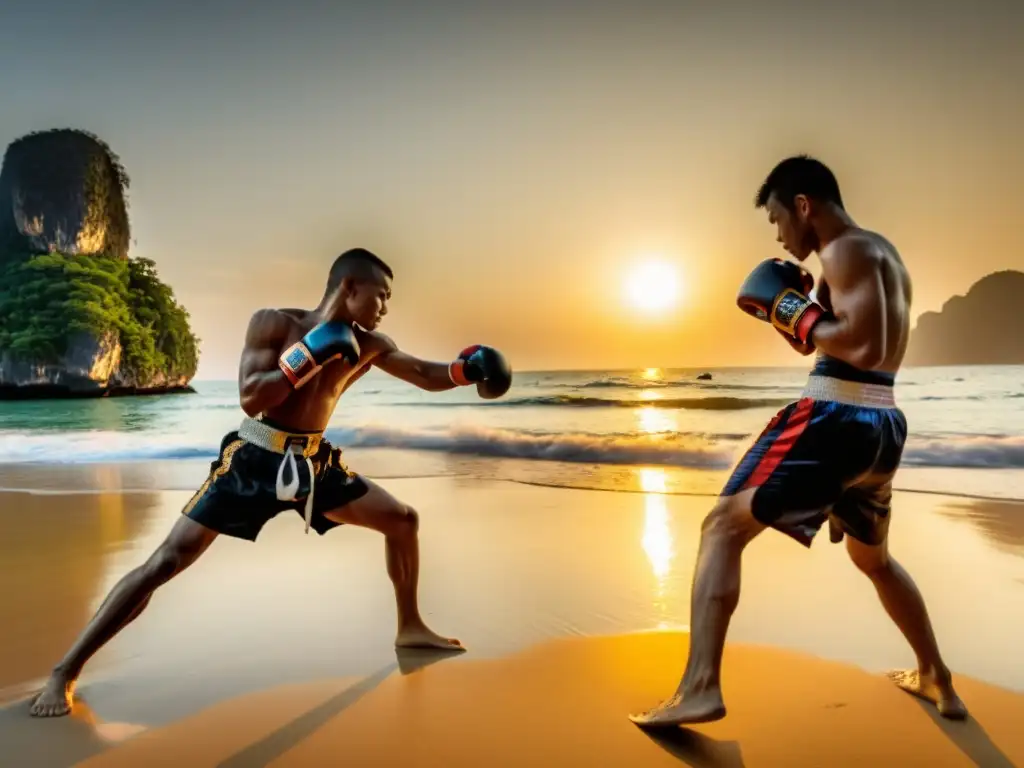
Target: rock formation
983 327
78 317
63 191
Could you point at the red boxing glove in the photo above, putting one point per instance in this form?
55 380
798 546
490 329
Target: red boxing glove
776 292
483 366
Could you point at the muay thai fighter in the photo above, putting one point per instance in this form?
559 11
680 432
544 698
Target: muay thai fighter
830 455
295 366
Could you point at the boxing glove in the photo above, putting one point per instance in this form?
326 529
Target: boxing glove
776 292
484 366
324 343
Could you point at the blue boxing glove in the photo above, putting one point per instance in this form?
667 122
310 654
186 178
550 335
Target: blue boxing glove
326 342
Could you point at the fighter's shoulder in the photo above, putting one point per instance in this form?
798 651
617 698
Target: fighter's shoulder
273 321
854 253
861 244
376 343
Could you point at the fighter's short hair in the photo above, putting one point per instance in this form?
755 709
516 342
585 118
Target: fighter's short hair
358 263
799 175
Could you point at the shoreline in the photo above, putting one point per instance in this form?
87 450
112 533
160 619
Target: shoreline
681 494
88 472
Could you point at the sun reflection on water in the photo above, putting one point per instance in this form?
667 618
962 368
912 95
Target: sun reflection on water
655 420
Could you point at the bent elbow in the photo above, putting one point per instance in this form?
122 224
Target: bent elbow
249 408
250 402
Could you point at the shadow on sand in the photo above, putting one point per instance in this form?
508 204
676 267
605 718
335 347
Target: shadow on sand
57 743
697 750
276 743
970 738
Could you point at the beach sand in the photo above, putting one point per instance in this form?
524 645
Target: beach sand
281 650
564 703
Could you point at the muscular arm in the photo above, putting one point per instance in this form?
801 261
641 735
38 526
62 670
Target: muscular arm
856 334
432 377
261 383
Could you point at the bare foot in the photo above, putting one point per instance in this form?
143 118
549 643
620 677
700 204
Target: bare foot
55 698
421 637
703 707
926 686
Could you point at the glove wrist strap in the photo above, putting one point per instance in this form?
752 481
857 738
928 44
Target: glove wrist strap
457 373
298 364
795 314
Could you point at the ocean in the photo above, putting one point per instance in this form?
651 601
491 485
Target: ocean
652 431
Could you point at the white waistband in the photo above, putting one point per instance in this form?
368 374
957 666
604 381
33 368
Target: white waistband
289 444
849 392
277 440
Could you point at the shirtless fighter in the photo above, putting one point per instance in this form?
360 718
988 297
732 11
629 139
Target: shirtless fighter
832 454
295 366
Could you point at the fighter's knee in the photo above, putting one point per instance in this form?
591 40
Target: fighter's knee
730 521
869 560
403 521
411 519
162 564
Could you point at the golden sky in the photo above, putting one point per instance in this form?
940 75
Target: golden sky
515 165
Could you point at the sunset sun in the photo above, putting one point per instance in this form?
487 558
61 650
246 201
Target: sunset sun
653 286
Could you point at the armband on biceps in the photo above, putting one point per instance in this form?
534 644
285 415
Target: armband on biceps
298 364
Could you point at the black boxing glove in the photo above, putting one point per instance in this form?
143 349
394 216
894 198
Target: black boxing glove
484 366
776 292
324 343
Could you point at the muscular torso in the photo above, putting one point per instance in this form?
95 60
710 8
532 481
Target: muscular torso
896 300
311 407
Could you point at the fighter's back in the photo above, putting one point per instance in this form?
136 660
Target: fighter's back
894 284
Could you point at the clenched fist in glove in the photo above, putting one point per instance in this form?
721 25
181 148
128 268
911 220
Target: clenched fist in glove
484 366
776 292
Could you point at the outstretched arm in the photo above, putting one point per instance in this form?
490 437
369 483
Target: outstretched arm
261 382
856 333
432 377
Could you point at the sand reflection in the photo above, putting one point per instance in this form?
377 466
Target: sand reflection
54 557
657 537
1002 522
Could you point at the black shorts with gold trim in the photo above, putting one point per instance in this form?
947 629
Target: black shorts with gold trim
239 496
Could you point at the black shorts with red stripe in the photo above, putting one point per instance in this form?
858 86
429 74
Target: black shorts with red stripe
832 454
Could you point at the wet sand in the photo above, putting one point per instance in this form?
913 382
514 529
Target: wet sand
266 633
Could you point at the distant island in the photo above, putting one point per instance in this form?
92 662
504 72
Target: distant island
982 327
78 316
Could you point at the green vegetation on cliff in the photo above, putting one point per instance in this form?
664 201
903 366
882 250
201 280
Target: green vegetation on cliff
46 299
68 289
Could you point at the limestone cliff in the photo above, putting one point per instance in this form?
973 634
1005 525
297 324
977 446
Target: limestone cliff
63 190
78 317
982 327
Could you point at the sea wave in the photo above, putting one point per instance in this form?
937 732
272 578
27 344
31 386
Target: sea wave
633 384
980 451
668 449
674 449
713 403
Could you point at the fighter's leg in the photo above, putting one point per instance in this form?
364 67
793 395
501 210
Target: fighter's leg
903 602
378 510
784 480
725 533
186 541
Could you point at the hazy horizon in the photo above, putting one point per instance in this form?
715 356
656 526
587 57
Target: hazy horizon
514 165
